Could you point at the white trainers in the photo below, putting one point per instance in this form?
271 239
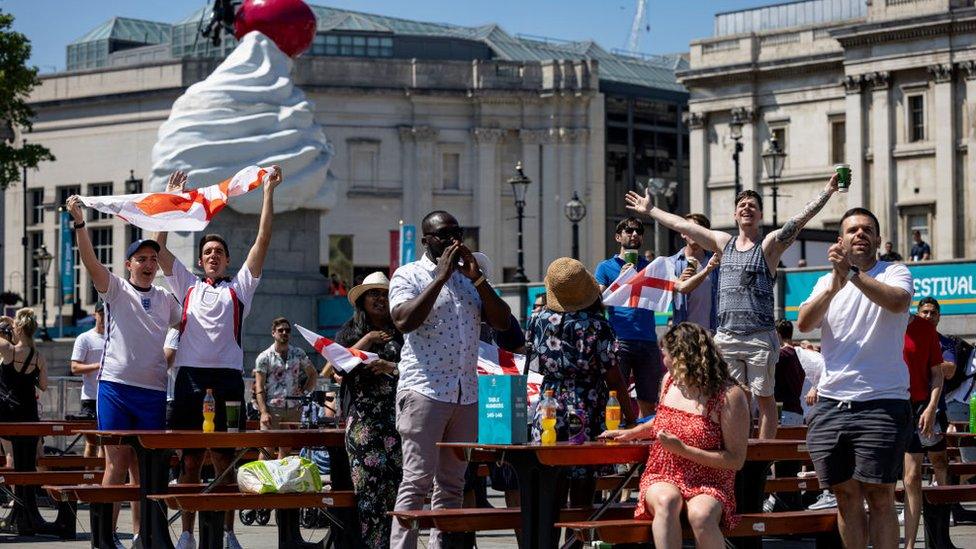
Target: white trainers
118 542
769 504
230 541
825 501
901 518
186 541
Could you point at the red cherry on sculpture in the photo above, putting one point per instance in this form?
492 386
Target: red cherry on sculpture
289 23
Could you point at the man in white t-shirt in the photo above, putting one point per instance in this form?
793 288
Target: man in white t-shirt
210 355
86 360
132 378
861 425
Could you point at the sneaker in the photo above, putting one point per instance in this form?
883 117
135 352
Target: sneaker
825 501
769 504
230 541
118 542
186 541
136 542
901 518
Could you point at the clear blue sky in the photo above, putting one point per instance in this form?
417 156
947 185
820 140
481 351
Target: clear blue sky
52 24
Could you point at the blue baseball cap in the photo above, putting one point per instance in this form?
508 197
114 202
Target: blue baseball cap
138 244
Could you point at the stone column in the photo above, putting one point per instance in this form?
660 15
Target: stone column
425 152
854 124
943 239
551 207
698 158
970 67
578 139
535 219
487 195
883 170
410 213
749 158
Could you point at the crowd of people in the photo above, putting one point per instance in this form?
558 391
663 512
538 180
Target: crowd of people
875 394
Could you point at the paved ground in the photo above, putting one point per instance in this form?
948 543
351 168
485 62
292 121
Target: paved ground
963 536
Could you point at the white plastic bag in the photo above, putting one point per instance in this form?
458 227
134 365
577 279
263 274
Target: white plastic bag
291 474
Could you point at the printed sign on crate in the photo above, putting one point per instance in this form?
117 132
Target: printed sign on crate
502 409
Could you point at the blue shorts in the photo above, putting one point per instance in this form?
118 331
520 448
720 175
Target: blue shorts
123 407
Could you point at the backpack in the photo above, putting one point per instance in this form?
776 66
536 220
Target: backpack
964 351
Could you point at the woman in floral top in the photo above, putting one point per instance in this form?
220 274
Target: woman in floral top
369 393
573 345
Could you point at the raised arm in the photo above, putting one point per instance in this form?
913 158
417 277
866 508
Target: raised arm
813 311
779 240
706 238
695 280
255 258
176 184
98 273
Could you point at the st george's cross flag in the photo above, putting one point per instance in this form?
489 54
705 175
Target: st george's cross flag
341 357
190 210
649 288
493 360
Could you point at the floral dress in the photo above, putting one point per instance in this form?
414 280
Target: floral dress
693 479
372 441
573 352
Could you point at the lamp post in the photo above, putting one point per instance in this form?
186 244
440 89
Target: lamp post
43 259
774 159
735 131
133 185
575 211
520 185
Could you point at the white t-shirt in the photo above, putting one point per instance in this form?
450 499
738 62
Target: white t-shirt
172 342
862 343
211 331
88 350
136 321
813 365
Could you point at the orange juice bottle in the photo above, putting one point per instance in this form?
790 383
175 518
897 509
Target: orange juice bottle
548 421
209 410
613 412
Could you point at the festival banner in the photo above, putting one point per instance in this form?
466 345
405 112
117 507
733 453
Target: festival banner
408 244
66 260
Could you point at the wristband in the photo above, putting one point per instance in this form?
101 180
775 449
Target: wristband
481 280
75 225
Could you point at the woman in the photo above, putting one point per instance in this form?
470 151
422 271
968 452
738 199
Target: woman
369 393
574 346
22 369
702 430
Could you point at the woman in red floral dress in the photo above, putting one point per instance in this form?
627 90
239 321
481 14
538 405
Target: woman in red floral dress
702 430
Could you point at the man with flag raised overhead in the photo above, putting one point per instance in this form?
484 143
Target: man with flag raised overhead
210 355
746 334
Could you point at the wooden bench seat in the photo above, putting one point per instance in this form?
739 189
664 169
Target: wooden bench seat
70 462
502 518
610 482
96 493
54 478
791 484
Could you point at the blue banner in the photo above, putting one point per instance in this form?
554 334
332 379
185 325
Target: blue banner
67 260
952 284
408 244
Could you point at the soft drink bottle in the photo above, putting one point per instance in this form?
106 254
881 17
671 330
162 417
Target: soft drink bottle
576 424
209 410
613 411
548 418
972 413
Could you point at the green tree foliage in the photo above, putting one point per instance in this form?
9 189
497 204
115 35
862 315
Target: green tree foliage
16 82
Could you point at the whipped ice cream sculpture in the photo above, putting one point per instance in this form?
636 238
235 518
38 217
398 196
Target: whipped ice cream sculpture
248 111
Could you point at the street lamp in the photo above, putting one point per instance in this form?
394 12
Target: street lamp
735 131
520 186
133 185
575 212
43 259
773 159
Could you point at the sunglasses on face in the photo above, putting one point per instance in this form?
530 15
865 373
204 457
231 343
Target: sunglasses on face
638 230
375 294
283 330
446 235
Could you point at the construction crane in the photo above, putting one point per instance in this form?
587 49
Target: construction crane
635 27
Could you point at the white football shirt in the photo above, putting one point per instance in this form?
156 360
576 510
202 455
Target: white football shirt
88 349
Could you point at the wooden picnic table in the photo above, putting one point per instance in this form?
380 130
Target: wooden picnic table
25 519
153 450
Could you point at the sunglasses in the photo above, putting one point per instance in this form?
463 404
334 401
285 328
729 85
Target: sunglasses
283 330
638 230
445 235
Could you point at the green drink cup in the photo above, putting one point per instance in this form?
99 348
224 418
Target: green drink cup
233 415
843 177
630 256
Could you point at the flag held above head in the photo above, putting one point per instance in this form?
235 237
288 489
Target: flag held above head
651 288
190 210
343 358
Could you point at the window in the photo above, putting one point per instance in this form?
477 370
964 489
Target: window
916 118
64 192
451 171
101 238
363 168
99 189
838 141
780 135
352 45
35 239
36 201
132 233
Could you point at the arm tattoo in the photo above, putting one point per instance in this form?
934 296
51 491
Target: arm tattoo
796 223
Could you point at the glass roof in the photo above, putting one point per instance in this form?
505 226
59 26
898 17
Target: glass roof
133 30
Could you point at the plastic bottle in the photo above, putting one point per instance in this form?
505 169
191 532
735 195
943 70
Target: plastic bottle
576 424
548 418
209 410
613 411
972 413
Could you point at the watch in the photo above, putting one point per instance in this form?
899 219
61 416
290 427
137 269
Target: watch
852 272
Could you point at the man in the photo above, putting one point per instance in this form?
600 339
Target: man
890 253
746 334
790 376
698 305
920 250
438 303
637 350
859 429
210 354
86 359
649 255
278 374
132 379
923 355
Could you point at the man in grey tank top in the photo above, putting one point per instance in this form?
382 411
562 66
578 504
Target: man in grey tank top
746 334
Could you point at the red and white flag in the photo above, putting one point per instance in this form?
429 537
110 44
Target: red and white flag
650 288
191 210
495 361
341 357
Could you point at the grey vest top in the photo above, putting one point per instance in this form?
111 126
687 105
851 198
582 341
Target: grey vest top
745 291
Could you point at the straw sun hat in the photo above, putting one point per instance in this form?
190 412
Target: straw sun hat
374 280
569 286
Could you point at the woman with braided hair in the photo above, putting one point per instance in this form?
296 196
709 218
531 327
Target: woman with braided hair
701 431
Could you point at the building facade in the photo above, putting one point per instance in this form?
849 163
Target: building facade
886 86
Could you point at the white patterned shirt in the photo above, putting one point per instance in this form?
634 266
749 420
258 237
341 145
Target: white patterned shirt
440 358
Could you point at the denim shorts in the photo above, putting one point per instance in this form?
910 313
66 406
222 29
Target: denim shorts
865 441
643 359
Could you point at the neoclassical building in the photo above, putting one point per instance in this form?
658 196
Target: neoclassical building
884 85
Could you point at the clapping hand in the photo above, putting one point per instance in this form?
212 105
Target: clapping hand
837 257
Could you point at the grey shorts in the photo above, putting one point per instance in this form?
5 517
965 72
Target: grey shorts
864 441
752 359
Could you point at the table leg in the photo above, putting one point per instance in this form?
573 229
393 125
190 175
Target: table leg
936 520
750 492
153 480
540 506
211 529
289 531
101 525
341 477
24 518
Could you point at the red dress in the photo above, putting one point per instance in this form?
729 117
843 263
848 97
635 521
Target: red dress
693 479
